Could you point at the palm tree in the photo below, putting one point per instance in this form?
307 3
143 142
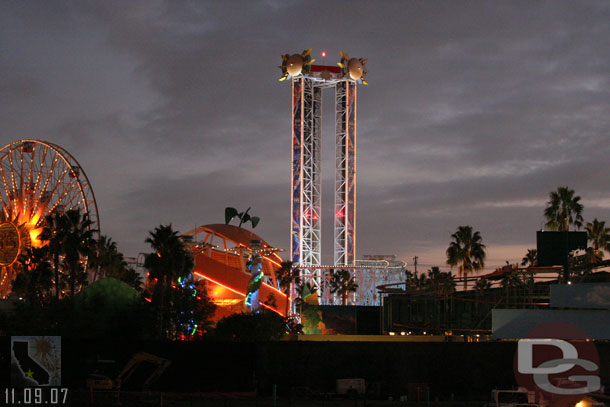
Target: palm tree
466 251
342 283
599 236
288 278
440 282
35 279
563 209
482 285
530 259
108 261
170 257
512 279
78 243
410 279
169 261
54 233
287 275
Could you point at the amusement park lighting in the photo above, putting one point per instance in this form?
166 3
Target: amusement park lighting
268 307
216 282
278 291
226 301
274 262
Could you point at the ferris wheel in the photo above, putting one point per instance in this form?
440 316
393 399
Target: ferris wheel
37 178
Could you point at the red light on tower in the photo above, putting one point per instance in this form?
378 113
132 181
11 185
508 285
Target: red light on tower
323 54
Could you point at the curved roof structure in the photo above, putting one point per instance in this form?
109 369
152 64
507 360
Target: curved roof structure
237 235
221 253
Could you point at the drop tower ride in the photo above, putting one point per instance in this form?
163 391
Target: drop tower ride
308 81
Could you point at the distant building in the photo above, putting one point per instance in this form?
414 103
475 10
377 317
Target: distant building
476 311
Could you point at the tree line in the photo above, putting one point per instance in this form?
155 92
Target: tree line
563 210
170 305
177 306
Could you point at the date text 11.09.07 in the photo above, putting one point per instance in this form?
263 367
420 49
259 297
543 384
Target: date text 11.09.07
36 396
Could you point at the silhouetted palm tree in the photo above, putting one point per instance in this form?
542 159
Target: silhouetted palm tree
342 283
288 279
287 275
54 233
599 236
530 259
169 261
482 285
512 279
107 261
35 280
78 244
563 209
466 251
170 257
440 282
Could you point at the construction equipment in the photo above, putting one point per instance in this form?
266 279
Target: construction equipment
100 382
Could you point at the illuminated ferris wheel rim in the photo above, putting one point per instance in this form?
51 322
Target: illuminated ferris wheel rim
84 185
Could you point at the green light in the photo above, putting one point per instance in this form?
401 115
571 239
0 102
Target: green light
194 330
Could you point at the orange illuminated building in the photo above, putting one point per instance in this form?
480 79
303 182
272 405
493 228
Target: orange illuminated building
221 253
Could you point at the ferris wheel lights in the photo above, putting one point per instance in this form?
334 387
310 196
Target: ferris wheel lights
35 241
32 186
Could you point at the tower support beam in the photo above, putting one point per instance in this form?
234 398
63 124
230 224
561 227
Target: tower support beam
306 192
306 172
345 174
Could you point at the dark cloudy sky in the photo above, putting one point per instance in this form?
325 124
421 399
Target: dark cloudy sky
474 112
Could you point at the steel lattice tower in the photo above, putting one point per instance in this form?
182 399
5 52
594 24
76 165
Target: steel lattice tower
306 215
345 173
306 185
306 170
